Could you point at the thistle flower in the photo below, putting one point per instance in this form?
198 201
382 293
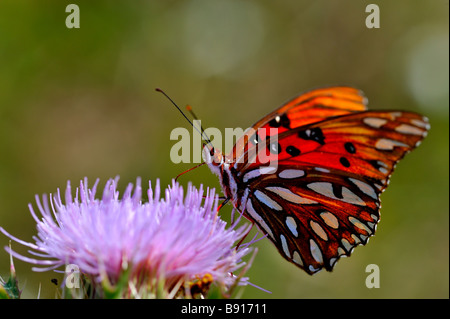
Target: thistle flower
161 248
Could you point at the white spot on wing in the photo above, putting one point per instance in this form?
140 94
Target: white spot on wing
341 252
291 173
267 170
359 224
258 219
318 230
350 197
381 163
424 124
292 225
408 129
356 239
323 188
326 189
286 194
312 269
316 253
250 175
269 202
371 225
378 186
285 246
364 187
374 122
346 244
330 219
296 258
332 262
388 144
382 167
396 114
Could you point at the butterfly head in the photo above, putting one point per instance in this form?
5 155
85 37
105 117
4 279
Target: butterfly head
212 156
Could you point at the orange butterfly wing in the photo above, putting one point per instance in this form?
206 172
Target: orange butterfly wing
311 107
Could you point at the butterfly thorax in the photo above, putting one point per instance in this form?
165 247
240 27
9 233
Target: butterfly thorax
223 167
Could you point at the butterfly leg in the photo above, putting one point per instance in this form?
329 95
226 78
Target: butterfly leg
226 200
245 236
220 206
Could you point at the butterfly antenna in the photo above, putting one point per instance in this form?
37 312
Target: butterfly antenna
201 131
189 109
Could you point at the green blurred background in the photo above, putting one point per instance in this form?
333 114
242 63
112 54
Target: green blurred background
81 102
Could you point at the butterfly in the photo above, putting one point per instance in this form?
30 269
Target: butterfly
310 173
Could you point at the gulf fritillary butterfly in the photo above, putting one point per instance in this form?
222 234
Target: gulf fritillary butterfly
333 160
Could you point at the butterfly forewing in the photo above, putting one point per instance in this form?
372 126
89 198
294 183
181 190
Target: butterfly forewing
311 107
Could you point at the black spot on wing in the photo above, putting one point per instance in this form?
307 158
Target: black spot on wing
314 134
280 120
292 150
344 162
349 147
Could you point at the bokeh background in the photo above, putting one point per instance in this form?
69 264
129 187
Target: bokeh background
81 102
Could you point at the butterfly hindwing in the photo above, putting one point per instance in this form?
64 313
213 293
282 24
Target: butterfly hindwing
312 217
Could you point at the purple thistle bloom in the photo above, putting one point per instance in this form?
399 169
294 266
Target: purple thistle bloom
161 246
